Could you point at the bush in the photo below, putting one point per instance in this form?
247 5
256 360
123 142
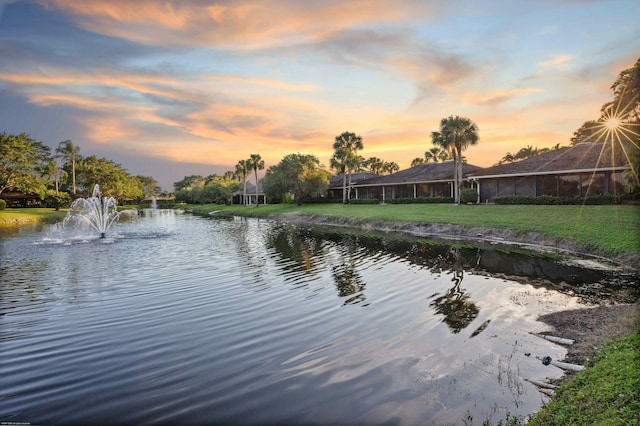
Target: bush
548 200
3 204
364 201
468 195
425 200
323 200
57 200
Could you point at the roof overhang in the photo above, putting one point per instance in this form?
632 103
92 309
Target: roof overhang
401 183
553 172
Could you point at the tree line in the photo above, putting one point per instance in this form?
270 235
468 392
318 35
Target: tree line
59 176
298 177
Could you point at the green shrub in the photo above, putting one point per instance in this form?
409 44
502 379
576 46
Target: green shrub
364 201
422 200
468 195
3 204
323 200
57 200
550 200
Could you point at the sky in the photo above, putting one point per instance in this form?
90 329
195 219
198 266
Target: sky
173 88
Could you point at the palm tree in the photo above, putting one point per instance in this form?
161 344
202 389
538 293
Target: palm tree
346 159
456 134
69 152
374 164
437 138
417 161
390 167
242 169
256 163
436 154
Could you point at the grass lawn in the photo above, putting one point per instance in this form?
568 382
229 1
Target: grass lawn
14 217
608 229
608 393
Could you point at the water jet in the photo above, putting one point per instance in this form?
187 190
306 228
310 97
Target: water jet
96 213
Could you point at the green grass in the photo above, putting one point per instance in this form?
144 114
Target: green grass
605 229
607 393
15 217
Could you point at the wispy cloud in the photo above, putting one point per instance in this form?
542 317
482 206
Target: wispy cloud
231 24
556 62
497 97
210 82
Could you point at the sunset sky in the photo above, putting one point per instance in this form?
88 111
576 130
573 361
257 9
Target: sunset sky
172 88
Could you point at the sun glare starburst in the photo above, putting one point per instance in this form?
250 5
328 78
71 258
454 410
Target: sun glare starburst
612 123
618 129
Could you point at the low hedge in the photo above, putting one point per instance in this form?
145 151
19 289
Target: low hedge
3 204
364 201
425 200
322 201
552 200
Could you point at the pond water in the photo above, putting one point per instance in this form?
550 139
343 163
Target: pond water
181 319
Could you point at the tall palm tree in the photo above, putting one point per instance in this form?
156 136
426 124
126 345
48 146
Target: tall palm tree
256 163
456 134
346 159
69 153
242 169
438 139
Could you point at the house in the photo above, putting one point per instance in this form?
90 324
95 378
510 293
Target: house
422 181
19 199
576 171
251 195
336 182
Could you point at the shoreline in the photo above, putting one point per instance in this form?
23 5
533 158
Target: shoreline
471 234
590 327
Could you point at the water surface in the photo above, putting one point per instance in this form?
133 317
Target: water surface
179 319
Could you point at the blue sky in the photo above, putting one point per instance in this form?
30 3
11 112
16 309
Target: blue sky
173 88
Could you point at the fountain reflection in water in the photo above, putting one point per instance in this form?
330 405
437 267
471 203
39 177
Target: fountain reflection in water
94 213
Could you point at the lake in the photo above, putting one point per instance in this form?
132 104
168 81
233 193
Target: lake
181 319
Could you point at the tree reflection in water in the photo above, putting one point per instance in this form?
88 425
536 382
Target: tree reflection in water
308 251
304 249
348 281
456 307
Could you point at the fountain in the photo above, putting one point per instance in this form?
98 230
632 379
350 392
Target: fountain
154 204
99 213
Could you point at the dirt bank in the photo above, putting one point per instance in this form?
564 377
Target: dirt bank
591 327
475 234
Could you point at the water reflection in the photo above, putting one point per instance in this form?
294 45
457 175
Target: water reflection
456 305
303 249
306 248
190 320
348 280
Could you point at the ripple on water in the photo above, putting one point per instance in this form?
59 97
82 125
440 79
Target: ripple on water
187 320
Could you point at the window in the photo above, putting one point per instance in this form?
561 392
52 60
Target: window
569 186
547 185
